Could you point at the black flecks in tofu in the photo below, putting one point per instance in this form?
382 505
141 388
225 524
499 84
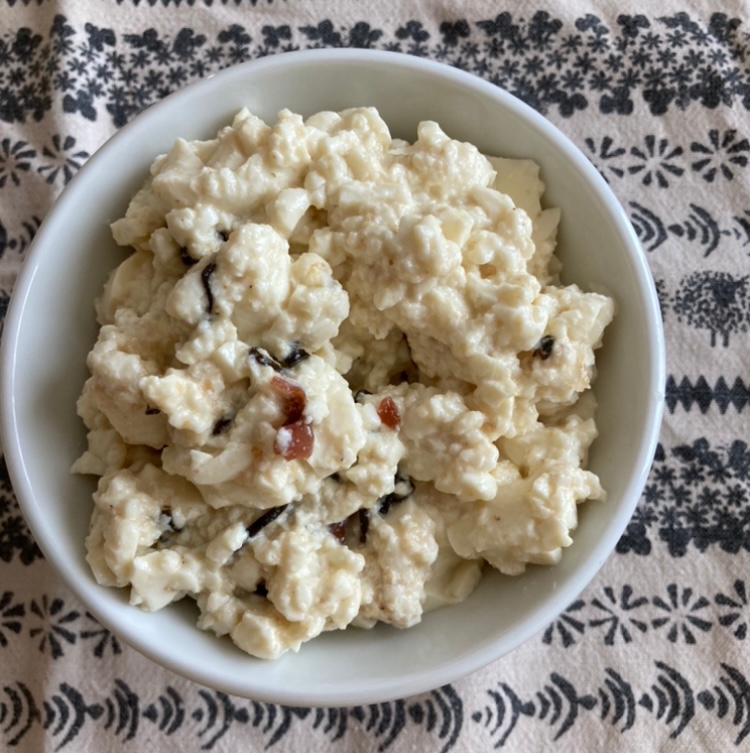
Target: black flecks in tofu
364 524
404 488
151 411
295 356
264 519
206 275
185 257
545 347
263 358
221 425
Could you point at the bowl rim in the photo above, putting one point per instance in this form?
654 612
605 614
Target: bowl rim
456 667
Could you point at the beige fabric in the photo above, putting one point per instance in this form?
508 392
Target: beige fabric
652 656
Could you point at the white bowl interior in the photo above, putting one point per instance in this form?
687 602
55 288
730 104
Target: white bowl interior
51 327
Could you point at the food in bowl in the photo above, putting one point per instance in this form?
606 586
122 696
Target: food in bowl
337 375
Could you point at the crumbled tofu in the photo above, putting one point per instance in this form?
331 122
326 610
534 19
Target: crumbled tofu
337 376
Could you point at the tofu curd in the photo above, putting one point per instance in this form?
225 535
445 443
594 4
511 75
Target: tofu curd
337 377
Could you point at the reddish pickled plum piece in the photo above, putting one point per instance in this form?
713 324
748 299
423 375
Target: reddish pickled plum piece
293 399
338 530
388 413
294 441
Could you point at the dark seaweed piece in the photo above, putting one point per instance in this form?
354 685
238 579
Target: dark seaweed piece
397 495
206 275
364 525
385 503
544 349
261 522
221 425
260 589
223 234
262 358
359 394
185 257
151 411
296 354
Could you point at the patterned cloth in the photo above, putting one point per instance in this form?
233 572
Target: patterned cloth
652 656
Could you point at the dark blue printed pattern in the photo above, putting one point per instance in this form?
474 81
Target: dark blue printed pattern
656 161
685 394
619 700
210 715
15 538
670 698
693 226
665 63
697 496
56 161
18 242
717 302
607 616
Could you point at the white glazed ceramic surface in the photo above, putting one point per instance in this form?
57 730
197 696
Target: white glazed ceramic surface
50 328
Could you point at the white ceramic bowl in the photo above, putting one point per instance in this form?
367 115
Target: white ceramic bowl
50 328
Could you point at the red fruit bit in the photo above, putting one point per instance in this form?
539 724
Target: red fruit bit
388 413
293 399
338 530
294 441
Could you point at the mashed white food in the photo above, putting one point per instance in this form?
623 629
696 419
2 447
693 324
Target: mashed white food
337 375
